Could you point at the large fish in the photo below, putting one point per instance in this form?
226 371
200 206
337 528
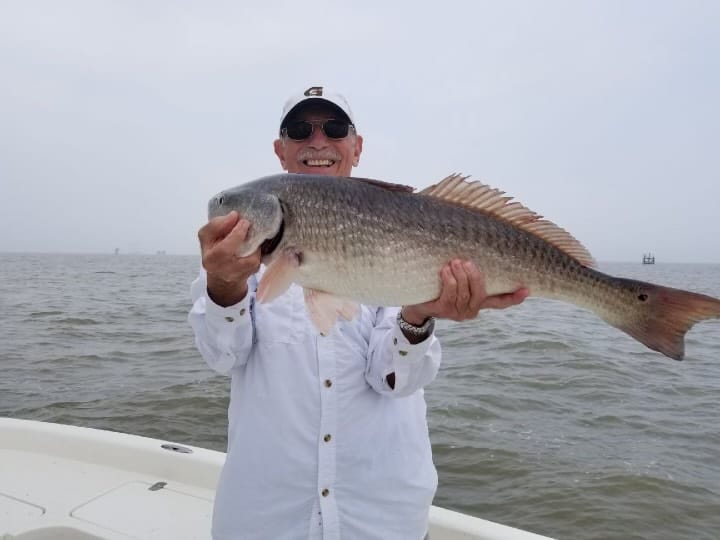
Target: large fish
349 240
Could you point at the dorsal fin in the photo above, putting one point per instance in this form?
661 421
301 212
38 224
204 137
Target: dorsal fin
477 196
385 185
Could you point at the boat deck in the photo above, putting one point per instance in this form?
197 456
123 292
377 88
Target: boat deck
62 482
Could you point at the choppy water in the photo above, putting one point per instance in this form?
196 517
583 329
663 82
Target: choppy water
542 416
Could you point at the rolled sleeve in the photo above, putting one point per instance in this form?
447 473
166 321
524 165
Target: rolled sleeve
414 365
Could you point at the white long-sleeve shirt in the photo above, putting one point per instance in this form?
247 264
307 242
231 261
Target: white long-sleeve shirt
319 445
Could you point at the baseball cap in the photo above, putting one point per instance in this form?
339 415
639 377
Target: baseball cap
320 94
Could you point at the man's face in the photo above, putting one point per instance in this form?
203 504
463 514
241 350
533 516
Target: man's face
318 154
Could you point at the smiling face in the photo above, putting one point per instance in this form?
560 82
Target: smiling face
319 154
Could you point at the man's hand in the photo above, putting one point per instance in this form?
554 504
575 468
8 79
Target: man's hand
462 296
227 274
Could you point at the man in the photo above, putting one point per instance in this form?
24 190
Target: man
327 434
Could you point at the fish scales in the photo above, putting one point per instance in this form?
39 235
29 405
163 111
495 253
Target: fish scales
405 239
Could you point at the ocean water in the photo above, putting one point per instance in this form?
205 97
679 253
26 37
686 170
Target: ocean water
542 416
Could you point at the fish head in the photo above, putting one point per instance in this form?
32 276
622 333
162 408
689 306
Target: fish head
262 209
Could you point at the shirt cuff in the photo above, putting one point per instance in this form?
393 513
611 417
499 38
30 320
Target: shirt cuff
414 365
227 319
402 348
407 357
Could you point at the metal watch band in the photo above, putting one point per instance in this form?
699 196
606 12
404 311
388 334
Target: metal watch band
422 330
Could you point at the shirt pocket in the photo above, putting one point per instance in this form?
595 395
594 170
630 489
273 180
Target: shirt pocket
283 320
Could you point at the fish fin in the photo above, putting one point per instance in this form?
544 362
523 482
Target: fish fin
666 316
385 185
477 196
278 276
324 309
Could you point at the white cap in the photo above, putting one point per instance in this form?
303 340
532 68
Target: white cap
317 93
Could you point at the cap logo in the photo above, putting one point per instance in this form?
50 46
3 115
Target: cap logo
314 91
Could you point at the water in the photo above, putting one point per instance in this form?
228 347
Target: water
542 416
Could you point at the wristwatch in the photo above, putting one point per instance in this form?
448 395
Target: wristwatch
422 330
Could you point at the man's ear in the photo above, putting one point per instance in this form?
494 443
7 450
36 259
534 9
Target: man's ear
358 150
280 153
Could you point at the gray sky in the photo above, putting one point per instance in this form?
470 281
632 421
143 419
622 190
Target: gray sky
119 120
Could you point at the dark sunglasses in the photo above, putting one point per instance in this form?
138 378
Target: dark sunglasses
303 129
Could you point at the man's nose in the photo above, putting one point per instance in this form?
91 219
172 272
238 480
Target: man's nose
317 138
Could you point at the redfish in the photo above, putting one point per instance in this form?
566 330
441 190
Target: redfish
350 240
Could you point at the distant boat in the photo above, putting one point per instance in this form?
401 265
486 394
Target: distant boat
648 258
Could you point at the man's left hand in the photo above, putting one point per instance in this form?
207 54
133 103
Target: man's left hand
462 296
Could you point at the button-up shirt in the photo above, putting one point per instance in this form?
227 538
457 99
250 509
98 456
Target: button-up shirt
319 444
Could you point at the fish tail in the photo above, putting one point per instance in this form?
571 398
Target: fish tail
665 316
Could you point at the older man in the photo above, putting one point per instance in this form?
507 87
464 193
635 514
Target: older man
327 434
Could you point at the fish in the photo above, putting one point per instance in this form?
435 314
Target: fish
349 241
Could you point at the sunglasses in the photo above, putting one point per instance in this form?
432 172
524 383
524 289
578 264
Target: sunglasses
303 129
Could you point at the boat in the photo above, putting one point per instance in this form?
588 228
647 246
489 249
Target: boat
648 258
61 482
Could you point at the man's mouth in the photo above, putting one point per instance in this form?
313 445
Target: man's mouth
318 162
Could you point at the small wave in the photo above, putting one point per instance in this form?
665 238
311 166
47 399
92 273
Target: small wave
535 345
78 321
38 314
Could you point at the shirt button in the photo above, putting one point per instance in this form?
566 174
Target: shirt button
229 319
327 438
325 492
242 312
328 383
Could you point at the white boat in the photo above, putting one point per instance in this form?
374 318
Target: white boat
61 482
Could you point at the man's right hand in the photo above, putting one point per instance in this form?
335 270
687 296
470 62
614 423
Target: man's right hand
227 274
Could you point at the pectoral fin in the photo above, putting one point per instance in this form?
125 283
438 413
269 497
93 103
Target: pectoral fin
324 309
278 277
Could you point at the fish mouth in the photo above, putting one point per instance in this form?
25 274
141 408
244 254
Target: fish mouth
319 162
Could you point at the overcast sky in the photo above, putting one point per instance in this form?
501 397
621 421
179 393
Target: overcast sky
120 119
